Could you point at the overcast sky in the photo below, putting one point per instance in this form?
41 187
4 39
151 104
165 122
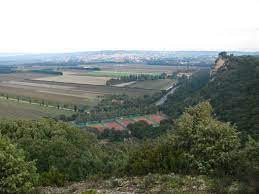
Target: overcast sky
79 25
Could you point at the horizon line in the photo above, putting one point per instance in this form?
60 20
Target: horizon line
125 50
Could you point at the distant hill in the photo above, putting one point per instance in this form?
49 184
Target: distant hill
112 56
232 88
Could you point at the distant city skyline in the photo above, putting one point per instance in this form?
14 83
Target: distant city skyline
56 26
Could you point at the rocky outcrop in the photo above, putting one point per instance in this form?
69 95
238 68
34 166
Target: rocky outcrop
220 64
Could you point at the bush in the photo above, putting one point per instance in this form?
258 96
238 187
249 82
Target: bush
74 154
16 174
52 177
248 166
199 144
209 146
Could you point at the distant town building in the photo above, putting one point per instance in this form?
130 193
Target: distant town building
184 74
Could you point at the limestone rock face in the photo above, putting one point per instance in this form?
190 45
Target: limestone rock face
220 63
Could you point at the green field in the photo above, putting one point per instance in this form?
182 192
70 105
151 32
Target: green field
116 73
18 110
161 84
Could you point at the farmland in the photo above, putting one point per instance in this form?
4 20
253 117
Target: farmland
117 74
16 110
139 68
161 84
71 88
41 92
24 84
72 77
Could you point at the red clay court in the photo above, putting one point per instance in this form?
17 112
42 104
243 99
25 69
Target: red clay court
143 119
113 125
157 118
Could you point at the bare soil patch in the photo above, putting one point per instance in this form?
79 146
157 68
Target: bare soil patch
72 77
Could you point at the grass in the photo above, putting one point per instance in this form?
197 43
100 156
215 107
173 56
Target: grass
161 84
116 73
17 110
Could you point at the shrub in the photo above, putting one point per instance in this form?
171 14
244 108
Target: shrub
16 174
52 177
198 144
209 146
74 154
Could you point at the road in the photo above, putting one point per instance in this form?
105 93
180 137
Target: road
163 99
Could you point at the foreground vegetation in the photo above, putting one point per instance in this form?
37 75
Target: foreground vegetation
151 183
197 145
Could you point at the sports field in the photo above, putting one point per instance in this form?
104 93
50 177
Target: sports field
121 123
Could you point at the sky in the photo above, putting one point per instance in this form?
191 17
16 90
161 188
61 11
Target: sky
40 26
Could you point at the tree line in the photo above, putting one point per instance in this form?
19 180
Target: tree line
135 77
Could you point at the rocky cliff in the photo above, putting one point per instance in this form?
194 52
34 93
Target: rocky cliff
220 64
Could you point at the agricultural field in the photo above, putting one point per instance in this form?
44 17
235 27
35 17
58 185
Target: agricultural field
10 109
98 90
79 78
29 85
161 84
125 84
122 122
20 76
43 92
82 88
139 68
116 74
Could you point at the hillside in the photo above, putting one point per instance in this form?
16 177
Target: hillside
194 151
231 87
200 155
